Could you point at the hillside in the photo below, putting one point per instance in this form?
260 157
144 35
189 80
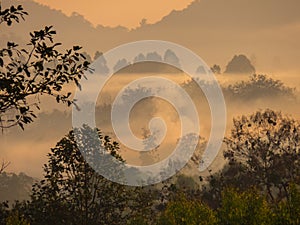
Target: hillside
214 30
15 187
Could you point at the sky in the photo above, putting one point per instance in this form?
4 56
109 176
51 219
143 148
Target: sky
127 13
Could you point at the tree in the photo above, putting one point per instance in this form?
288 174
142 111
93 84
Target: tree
4 212
12 14
171 58
240 64
143 22
266 144
232 175
15 187
73 193
259 86
28 73
244 208
288 212
3 166
15 219
190 212
216 69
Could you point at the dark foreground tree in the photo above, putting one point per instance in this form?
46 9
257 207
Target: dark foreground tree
267 145
187 212
247 207
73 193
36 70
262 152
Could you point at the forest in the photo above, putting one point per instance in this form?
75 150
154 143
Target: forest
258 181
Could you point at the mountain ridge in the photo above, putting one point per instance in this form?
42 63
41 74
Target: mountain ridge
212 29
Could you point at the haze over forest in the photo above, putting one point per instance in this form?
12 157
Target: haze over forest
266 32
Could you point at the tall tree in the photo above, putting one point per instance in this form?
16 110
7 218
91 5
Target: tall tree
73 193
187 212
246 207
267 145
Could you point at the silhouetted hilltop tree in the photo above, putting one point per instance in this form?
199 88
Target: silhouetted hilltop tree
121 64
216 69
152 62
240 64
154 56
97 55
139 58
101 62
171 57
143 22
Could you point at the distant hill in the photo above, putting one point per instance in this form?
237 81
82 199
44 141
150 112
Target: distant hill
214 29
15 187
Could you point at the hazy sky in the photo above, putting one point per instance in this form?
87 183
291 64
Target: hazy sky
118 12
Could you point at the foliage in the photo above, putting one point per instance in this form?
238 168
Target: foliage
16 219
244 208
266 143
240 64
15 187
3 165
238 207
12 14
232 175
190 212
216 69
4 212
288 212
28 73
258 86
73 193
138 221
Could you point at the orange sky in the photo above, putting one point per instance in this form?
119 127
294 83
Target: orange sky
118 12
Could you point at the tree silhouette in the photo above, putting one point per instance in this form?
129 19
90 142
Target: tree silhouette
3 166
259 86
266 144
187 212
73 193
216 69
240 64
28 73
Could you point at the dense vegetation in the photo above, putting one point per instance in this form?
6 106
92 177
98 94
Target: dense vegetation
259 184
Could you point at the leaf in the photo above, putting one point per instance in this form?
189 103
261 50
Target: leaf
76 48
21 125
26 71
